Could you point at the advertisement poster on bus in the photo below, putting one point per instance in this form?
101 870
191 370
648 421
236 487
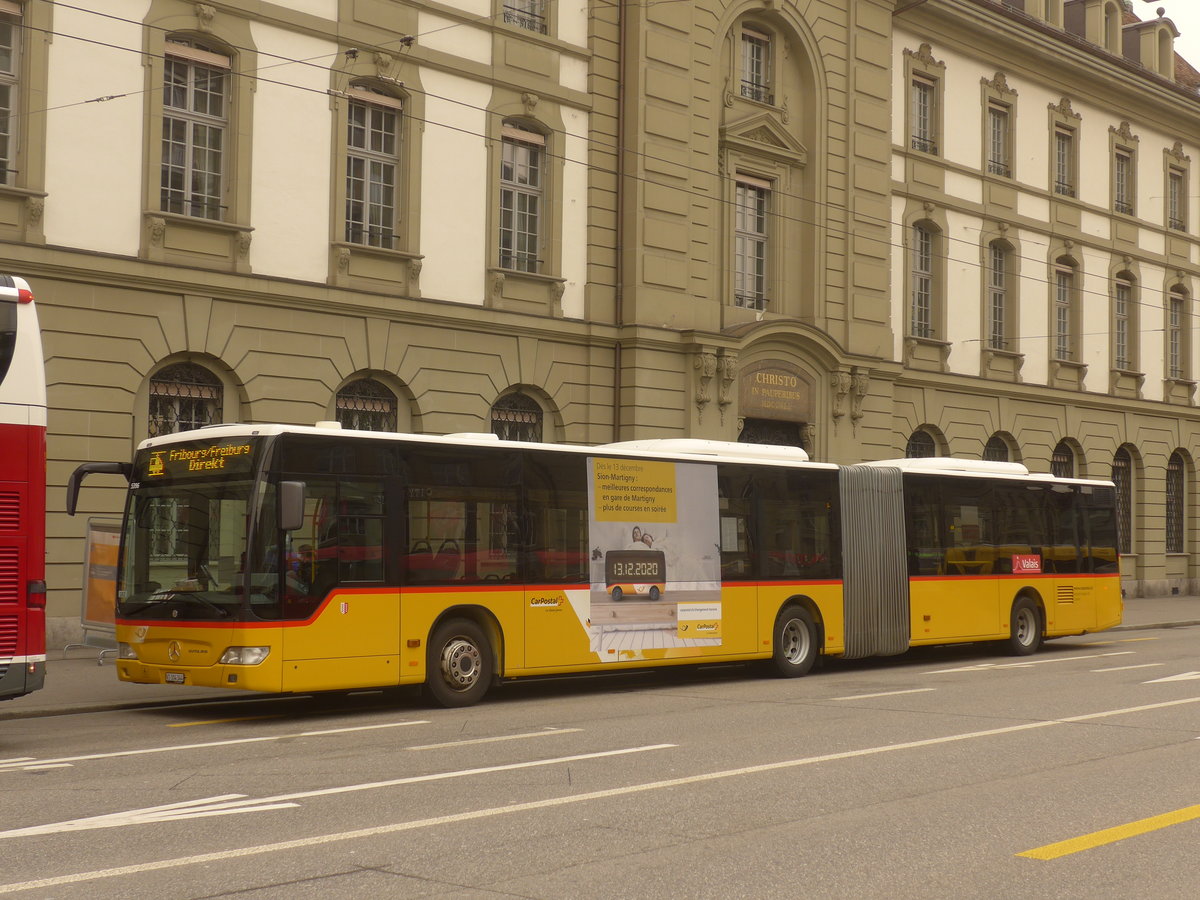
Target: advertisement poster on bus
655 567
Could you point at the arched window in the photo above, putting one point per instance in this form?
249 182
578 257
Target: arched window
996 449
1062 463
366 405
516 417
182 397
1176 502
1122 476
920 445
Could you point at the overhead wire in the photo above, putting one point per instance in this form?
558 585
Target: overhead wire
830 228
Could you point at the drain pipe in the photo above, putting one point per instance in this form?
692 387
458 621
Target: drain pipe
619 234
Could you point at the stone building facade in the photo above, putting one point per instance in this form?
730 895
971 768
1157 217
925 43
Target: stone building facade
835 224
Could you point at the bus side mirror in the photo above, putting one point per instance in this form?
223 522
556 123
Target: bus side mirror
291 505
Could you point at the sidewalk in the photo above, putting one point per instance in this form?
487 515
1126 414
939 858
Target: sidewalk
75 683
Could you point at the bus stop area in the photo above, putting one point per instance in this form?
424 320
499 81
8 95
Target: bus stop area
80 680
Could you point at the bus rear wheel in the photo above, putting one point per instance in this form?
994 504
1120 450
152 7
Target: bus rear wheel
795 642
459 664
616 593
1025 628
655 593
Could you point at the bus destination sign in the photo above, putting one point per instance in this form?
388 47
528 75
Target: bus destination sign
197 458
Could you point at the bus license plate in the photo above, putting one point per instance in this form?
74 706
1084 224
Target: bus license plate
175 678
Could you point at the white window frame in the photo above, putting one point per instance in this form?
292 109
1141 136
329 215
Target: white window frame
922 255
998 283
522 199
206 200
1064 308
1123 300
371 201
755 58
751 243
10 85
999 128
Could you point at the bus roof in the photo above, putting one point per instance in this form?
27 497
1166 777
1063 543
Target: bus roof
665 448
979 468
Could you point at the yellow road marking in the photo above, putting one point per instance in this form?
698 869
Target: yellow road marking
1112 835
221 721
1136 640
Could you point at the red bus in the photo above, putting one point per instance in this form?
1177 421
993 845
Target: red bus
22 493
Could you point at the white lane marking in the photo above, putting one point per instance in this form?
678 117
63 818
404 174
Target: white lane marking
504 737
238 803
15 759
1126 668
883 694
38 768
19 764
1186 676
397 827
1026 664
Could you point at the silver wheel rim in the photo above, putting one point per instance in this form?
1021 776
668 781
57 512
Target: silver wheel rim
1025 627
794 641
461 664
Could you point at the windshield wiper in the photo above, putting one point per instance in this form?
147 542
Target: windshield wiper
162 597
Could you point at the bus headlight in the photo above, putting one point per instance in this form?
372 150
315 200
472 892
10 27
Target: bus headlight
244 656
125 651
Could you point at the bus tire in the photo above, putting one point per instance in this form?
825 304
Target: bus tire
1025 627
458 664
654 593
795 642
616 594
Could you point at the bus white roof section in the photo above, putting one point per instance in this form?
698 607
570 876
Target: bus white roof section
719 449
949 464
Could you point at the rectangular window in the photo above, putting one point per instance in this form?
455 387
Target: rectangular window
372 148
921 312
756 66
1176 499
10 32
1064 288
527 14
998 298
923 101
1122 297
998 124
1064 162
1123 182
1175 338
194 123
751 208
1177 200
521 180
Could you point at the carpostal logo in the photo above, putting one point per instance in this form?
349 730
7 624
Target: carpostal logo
155 466
545 602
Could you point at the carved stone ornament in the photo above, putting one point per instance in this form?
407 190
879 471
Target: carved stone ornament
1124 133
727 364
841 383
243 243
924 56
999 84
384 63
204 16
158 230
808 438
1063 108
530 102
860 386
34 208
706 366
343 259
1176 153
497 287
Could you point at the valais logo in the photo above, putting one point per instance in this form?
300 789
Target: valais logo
1026 563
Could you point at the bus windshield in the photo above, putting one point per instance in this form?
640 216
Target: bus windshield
185 554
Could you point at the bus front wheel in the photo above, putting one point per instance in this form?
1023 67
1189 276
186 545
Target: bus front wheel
795 642
459 664
1025 628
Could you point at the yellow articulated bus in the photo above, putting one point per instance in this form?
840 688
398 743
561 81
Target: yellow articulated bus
286 558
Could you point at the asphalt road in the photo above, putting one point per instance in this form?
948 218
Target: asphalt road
944 773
